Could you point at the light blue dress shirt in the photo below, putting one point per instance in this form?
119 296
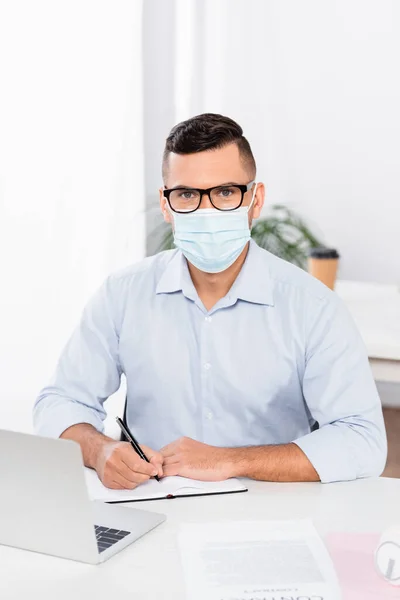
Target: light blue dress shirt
276 355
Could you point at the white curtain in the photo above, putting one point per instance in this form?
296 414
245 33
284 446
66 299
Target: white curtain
202 41
71 176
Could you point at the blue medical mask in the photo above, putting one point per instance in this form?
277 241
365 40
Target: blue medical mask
212 239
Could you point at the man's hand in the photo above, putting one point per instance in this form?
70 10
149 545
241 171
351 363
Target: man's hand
189 458
119 467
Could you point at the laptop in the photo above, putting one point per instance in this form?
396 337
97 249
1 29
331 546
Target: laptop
45 507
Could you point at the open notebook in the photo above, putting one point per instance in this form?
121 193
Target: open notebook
170 487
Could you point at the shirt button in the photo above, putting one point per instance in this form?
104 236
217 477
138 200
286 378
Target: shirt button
208 319
207 366
209 415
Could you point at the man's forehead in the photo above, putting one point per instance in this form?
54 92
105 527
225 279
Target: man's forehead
206 169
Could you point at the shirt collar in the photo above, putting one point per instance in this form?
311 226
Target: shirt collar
171 279
253 284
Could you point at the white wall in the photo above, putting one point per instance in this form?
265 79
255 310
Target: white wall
315 85
335 120
71 176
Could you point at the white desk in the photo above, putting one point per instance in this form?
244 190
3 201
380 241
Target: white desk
376 311
150 569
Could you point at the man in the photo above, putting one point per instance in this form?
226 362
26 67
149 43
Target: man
237 363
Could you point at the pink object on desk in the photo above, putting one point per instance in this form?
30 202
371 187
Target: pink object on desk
353 557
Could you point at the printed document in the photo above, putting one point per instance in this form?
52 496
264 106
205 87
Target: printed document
250 560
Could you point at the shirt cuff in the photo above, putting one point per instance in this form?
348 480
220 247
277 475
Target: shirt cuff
52 421
328 451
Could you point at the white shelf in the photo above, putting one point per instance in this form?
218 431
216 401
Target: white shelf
376 311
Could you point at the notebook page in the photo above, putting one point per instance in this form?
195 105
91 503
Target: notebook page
188 487
153 489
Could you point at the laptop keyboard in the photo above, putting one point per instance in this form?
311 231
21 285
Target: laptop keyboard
108 537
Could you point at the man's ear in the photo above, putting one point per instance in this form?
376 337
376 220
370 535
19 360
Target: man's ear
258 201
164 207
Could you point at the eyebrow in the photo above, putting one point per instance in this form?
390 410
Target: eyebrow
191 187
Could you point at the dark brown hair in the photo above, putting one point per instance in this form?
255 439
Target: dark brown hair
207 132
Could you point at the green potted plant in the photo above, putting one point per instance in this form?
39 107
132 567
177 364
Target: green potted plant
282 232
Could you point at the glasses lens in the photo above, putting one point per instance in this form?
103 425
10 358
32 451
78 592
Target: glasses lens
226 197
184 199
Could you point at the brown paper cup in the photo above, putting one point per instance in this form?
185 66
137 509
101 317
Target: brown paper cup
323 264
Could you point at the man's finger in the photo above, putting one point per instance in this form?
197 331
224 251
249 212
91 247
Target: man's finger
116 486
170 460
125 471
171 470
152 454
116 482
158 465
168 450
135 463
134 478
126 484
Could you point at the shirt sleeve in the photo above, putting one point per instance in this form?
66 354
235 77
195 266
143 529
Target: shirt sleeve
341 395
87 373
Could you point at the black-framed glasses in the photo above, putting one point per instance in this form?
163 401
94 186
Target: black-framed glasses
222 197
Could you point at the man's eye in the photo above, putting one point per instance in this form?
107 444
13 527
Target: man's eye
225 192
187 195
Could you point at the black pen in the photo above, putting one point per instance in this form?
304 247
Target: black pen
125 430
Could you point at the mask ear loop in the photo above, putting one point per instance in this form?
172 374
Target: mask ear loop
252 200
168 211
